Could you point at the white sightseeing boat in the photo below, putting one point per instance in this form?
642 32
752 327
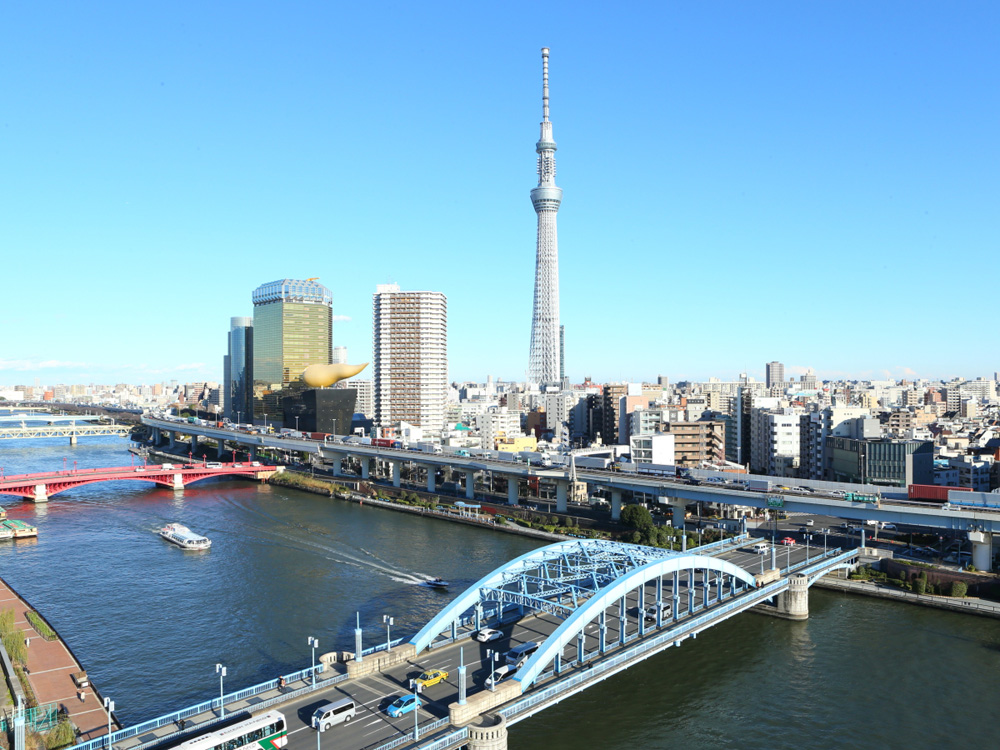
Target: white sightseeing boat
183 537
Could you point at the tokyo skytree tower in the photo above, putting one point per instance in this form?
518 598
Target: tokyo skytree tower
543 364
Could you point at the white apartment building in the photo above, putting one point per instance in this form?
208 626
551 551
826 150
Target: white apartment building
973 471
652 449
774 442
410 357
497 422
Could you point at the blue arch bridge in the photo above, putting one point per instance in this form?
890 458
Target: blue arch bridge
594 608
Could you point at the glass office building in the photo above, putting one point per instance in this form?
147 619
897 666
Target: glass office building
292 329
239 370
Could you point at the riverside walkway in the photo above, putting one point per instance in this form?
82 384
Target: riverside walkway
50 668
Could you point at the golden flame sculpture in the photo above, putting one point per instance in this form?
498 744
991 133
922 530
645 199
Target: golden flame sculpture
320 376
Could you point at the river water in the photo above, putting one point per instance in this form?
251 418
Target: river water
150 621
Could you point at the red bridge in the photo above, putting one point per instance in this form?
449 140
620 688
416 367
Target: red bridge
39 487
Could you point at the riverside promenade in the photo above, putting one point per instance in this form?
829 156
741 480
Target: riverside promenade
50 666
965 605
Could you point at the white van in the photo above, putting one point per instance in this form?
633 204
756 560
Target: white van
761 548
329 714
519 654
502 673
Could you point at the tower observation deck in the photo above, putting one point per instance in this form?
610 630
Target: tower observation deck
543 365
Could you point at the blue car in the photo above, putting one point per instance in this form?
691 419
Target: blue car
403 705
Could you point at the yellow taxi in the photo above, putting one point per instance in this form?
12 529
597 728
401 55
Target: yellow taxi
431 677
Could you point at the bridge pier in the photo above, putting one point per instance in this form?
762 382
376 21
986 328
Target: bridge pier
470 485
488 733
72 439
982 550
178 482
395 474
561 491
792 604
337 462
366 467
41 494
616 505
511 490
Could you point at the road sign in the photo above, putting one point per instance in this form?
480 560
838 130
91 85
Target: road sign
775 501
857 497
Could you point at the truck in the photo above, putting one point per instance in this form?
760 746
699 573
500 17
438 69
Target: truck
592 462
932 492
759 485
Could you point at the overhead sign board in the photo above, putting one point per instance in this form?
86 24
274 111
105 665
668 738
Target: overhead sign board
775 501
857 497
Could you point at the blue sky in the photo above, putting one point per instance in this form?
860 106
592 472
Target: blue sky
810 182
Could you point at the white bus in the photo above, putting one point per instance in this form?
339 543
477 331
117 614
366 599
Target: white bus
268 731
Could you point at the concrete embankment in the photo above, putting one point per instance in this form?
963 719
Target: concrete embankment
971 606
50 669
305 483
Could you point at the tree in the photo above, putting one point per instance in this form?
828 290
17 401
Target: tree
637 517
920 584
959 589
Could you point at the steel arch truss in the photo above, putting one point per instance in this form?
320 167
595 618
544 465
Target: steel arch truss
695 575
557 579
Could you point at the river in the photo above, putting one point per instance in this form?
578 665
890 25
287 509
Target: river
149 621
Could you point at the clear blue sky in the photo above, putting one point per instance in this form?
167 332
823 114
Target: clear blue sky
810 182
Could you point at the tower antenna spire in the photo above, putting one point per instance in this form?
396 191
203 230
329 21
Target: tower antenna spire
545 84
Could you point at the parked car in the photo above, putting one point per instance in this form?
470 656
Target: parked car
403 705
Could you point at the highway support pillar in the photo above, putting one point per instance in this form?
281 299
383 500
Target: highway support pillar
253 453
337 462
156 436
178 482
561 490
982 550
366 467
173 440
194 445
616 505
511 489
489 732
41 494
470 485
395 473
220 448
430 478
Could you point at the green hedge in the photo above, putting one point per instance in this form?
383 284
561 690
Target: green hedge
41 627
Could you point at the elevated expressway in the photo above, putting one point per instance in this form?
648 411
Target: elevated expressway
585 603
669 491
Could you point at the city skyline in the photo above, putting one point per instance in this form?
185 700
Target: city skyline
832 167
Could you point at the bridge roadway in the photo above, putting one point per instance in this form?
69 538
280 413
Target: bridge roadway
49 418
671 491
701 600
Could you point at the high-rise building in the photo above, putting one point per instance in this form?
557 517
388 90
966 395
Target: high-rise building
237 391
562 354
410 357
339 355
543 360
775 374
292 329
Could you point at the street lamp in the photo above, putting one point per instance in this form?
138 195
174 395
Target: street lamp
221 671
109 706
314 642
492 656
388 624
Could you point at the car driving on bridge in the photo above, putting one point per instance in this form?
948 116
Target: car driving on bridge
649 615
488 634
431 677
788 541
403 705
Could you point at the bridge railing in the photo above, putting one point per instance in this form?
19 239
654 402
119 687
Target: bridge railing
424 728
684 630
214 704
